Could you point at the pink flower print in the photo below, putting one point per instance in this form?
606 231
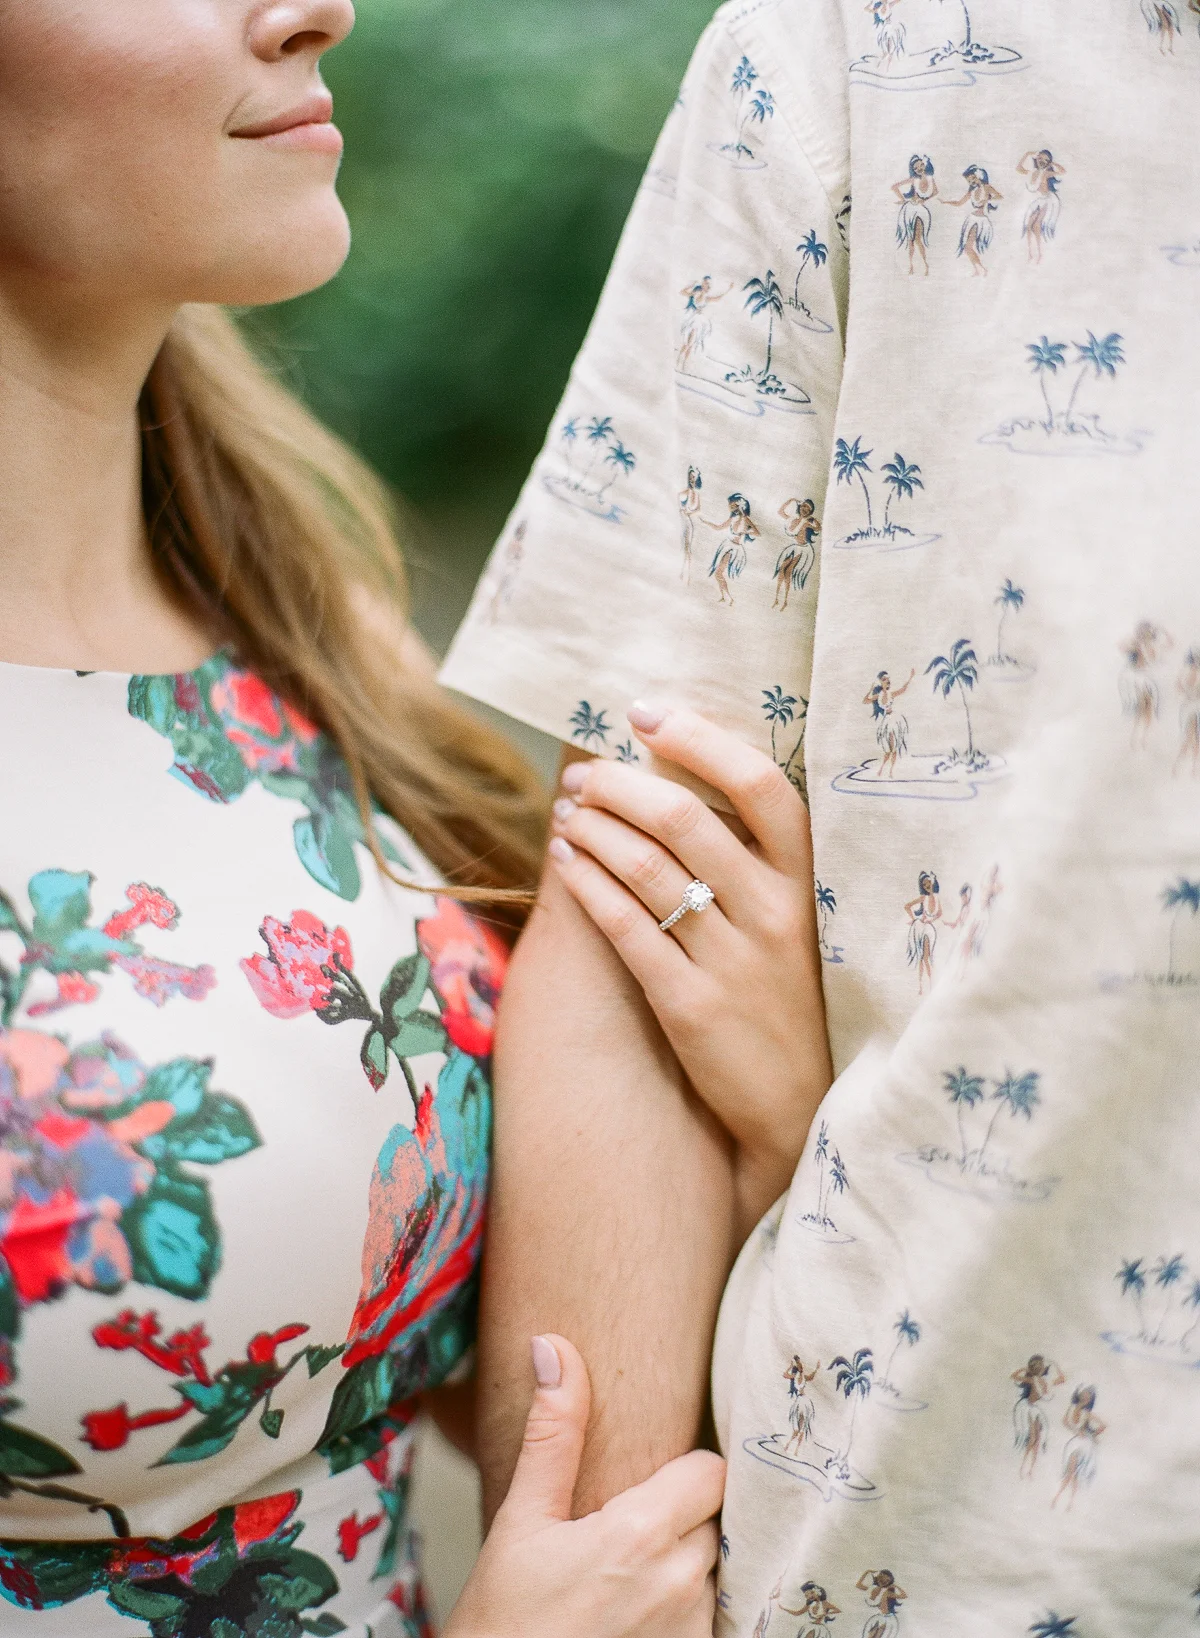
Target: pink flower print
35 1060
158 981
299 972
469 962
74 990
146 905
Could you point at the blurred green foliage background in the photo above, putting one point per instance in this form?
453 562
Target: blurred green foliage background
493 148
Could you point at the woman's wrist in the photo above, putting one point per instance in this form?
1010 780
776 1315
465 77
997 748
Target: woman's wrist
760 1175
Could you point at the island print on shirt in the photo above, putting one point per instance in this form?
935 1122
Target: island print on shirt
784 711
590 729
1162 1301
888 1396
1179 901
1067 431
827 905
1004 665
983 1165
901 480
812 254
922 43
832 1179
753 108
748 387
799 1452
956 775
1039 226
593 460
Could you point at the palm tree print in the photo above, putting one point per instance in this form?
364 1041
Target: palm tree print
1181 897
1047 358
812 253
964 1092
903 480
588 484
622 461
627 754
852 461
782 710
1192 1301
958 670
763 295
826 907
753 104
908 1333
1167 1272
590 728
1132 1278
1010 599
600 430
1020 1095
854 1383
1066 431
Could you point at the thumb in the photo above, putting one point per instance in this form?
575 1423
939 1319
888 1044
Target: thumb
543 1485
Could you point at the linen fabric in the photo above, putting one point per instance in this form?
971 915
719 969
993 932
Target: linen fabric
244 1122
879 451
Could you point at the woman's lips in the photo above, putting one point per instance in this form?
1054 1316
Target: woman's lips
306 128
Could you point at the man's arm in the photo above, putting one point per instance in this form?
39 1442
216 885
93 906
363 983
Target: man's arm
612 1216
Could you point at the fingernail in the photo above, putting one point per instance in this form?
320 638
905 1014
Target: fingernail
646 718
564 808
547 1367
561 850
574 776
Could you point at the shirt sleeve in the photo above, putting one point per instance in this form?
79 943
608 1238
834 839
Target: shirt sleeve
667 544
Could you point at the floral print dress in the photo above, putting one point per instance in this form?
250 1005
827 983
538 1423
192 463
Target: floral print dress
244 1126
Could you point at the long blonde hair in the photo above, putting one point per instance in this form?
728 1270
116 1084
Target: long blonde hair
276 534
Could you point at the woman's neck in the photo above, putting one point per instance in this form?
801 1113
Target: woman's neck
77 583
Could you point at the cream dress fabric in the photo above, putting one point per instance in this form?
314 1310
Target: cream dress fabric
881 450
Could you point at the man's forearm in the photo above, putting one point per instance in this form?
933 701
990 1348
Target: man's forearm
613 1212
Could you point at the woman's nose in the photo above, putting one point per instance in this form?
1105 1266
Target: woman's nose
289 28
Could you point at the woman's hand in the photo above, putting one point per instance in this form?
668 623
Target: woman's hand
642 1567
736 988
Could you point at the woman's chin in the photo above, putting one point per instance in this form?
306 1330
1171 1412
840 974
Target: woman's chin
288 259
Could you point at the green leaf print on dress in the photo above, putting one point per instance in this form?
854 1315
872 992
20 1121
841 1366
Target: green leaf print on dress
228 730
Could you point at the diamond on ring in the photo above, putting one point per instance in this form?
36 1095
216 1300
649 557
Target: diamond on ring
697 896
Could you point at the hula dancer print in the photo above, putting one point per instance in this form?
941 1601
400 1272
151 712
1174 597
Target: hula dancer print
795 563
891 726
800 1453
1067 431
817 1612
1162 19
696 329
980 1166
1036 1382
885 1597
1141 697
1042 176
890 32
1188 760
1079 1459
915 192
801 1410
586 480
689 510
982 201
1162 1298
738 531
927 42
924 913
507 570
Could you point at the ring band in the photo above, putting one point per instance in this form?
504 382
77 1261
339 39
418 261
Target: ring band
697 897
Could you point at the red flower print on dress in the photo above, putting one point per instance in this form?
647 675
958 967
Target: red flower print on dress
224 1398
468 963
263 727
302 966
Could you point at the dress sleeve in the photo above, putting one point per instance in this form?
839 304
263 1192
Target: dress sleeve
667 543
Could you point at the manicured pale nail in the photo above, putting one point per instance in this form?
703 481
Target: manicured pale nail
564 808
574 776
561 851
646 718
547 1367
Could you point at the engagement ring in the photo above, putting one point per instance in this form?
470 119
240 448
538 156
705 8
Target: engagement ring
697 897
